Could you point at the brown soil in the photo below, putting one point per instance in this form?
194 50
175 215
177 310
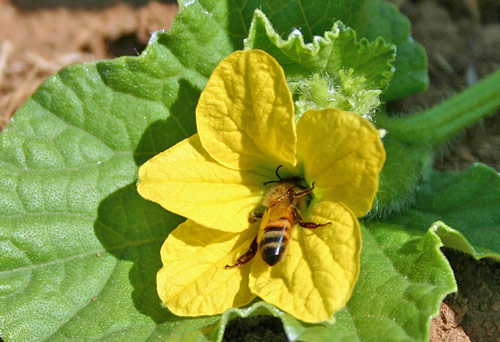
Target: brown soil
462 39
446 327
477 302
36 44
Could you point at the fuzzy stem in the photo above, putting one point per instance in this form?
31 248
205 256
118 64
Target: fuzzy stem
439 124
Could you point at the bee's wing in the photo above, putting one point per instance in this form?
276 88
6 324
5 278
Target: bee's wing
273 213
263 223
277 211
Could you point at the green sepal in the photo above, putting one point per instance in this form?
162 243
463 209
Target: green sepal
369 18
336 70
404 168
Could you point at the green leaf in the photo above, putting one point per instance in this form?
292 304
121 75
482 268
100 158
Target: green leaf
404 277
403 280
383 19
468 201
335 70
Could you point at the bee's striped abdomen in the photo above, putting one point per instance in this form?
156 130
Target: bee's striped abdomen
275 238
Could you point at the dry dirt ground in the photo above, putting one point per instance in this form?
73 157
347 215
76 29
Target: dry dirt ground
462 39
37 38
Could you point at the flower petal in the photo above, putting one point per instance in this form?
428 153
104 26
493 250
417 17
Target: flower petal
245 113
342 152
317 276
185 180
193 280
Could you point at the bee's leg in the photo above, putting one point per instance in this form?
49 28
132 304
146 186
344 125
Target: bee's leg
311 225
304 192
254 216
300 221
247 256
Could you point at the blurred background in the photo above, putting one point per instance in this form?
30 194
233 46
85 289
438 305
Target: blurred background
39 37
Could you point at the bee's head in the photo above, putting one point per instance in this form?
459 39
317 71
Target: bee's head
295 180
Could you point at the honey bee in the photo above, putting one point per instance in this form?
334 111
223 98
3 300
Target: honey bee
284 203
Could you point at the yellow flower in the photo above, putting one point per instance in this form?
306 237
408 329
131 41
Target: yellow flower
246 129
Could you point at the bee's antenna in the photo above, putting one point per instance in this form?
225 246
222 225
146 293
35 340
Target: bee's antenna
277 175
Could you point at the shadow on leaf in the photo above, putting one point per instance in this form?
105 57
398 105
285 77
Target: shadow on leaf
133 229
180 125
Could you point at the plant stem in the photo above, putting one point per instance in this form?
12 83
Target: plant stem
439 124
